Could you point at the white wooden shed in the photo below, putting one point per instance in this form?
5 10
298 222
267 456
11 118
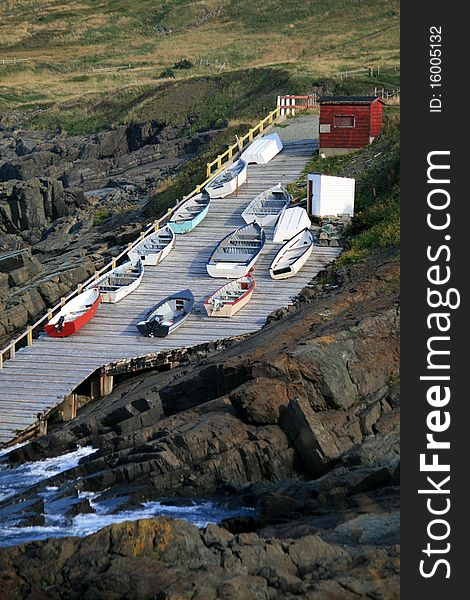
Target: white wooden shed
329 195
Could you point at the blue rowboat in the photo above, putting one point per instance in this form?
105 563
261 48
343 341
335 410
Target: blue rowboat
190 213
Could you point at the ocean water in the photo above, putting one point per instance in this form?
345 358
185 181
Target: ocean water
16 480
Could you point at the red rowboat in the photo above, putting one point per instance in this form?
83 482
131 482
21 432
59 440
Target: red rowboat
74 314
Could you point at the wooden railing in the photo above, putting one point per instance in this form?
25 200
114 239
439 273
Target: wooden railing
27 336
234 149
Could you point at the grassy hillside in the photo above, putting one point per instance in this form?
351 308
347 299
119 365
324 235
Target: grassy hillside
235 49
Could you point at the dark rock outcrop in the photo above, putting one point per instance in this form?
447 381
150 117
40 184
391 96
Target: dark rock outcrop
161 558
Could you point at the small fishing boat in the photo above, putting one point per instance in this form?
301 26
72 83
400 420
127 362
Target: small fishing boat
236 254
166 316
229 298
266 208
264 149
292 256
190 213
75 314
119 282
290 222
154 248
228 181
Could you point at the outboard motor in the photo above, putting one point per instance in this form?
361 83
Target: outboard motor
60 323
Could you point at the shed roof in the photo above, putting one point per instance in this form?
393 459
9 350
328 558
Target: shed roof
349 100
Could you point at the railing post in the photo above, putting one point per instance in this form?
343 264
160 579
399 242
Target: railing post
49 314
29 336
113 264
156 227
219 162
1 360
62 300
250 135
208 171
12 351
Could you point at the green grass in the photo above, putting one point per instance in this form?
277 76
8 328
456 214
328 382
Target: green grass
309 41
101 215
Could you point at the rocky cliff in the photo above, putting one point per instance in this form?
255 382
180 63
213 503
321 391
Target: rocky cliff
299 421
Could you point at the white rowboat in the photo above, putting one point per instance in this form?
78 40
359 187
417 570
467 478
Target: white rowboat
236 254
266 208
231 297
228 181
261 151
290 222
119 282
292 256
155 247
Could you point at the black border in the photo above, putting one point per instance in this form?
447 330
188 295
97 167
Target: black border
422 132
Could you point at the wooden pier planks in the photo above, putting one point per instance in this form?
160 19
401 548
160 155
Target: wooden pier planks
42 375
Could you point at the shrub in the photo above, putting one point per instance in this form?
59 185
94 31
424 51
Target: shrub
184 63
167 73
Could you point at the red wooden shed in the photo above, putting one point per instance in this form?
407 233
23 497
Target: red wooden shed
348 122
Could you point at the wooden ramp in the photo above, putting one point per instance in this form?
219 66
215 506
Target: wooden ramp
41 375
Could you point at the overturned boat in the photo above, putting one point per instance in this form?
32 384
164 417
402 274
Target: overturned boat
119 282
266 208
264 149
74 314
236 254
166 316
190 213
228 181
231 297
290 222
292 256
154 248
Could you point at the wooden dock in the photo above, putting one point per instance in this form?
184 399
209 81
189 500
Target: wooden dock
42 375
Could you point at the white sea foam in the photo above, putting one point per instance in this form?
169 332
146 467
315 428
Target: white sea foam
16 479
85 524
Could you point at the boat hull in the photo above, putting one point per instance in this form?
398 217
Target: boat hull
189 225
291 222
113 296
263 150
280 270
71 327
229 187
150 258
229 308
152 328
230 270
292 269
